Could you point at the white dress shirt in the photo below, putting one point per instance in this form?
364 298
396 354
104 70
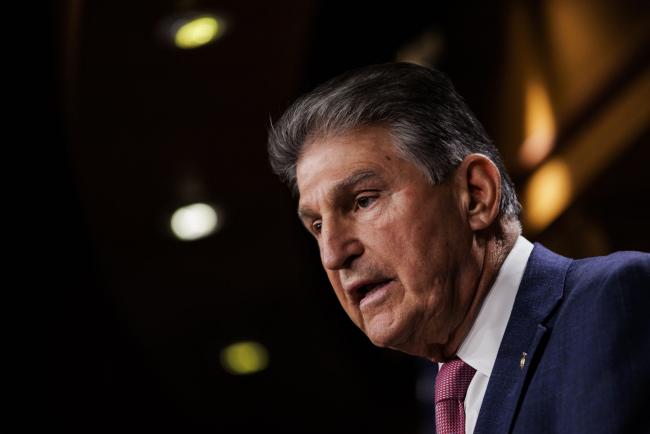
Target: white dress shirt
480 347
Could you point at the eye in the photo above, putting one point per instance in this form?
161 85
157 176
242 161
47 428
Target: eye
316 227
365 201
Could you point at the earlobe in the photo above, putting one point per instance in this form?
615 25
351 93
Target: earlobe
483 183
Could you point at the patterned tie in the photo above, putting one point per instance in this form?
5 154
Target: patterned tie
451 387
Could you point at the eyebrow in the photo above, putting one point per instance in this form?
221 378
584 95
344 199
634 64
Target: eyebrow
341 187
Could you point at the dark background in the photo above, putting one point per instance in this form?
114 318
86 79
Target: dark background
130 128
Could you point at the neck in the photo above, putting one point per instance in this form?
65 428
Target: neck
489 251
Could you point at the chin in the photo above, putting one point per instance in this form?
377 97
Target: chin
385 336
379 341
401 339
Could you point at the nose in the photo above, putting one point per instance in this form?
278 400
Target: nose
339 245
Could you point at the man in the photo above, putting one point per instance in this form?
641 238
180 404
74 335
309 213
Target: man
417 224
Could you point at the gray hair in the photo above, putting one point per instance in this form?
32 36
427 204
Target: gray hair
430 123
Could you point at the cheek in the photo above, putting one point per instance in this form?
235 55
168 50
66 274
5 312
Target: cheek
421 252
392 228
335 282
414 240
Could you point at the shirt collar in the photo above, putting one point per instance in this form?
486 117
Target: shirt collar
480 347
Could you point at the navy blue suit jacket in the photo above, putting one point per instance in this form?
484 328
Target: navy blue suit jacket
585 328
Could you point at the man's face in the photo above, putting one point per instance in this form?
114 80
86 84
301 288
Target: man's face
392 243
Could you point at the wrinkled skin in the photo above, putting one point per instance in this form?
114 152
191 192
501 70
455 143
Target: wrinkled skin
378 219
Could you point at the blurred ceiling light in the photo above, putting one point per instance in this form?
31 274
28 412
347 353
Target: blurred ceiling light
194 221
197 31
539 125
547 194
244 358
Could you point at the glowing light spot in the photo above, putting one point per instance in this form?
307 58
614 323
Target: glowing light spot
547 194
244 358
194 221
198 32
539 125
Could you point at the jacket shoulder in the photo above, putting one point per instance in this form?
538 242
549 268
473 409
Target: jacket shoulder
597 348
622 270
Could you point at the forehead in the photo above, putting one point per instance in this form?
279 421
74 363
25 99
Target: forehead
329 159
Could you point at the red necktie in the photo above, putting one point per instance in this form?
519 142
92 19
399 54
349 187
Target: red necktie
451 387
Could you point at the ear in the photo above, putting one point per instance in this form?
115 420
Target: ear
480 184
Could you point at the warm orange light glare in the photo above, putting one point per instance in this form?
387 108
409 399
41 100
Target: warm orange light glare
547 194
539 125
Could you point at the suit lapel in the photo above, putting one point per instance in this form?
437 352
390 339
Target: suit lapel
541 289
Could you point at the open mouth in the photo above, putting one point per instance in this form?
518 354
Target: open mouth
365 291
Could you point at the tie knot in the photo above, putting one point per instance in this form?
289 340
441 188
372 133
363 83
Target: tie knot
453 380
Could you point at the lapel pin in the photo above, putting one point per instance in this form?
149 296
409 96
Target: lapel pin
522 361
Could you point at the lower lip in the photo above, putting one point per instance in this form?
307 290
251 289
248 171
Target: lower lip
374 296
